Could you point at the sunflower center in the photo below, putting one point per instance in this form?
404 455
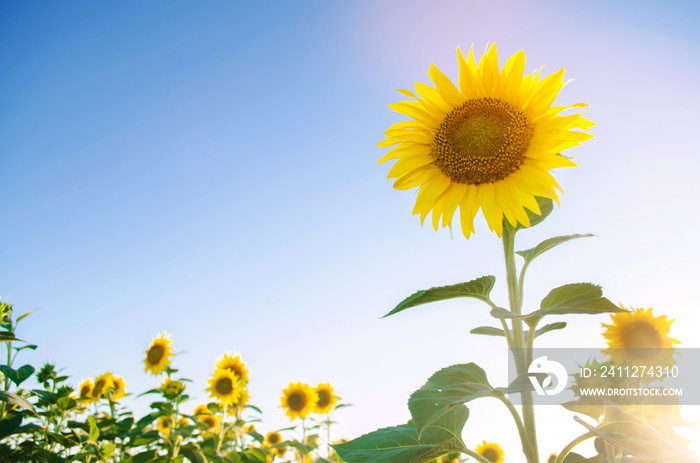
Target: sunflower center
274 438
483 140
155 353
324 398
490 454
296 401
641 334
224 386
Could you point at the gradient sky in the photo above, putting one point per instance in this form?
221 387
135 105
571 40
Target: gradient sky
209 169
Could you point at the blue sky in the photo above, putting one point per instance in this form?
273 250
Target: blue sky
210 170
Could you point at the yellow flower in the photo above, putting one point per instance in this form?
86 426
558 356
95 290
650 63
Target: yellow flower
488 144
491 451
172 388
101 386
85 389
164 425
273 437
229 362
211 421
280 451
639 339
326 398
158 354
224 387
201 409
118 387
250 428
299 400
182 422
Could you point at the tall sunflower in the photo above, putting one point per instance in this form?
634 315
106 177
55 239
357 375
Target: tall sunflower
85 389
101 386
211 421
326 398
118 387
299 400
491 451
164 424
639 338
229 362
224 387
487 143
158 354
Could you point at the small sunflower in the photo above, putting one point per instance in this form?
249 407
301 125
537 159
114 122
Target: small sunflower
164 425
224 387
491 451
638 338
250 428
101 386
201 409
182 422
158 354
273 437
487 143
85 389
229 362
326 398
118 387
280 451
299 400
243 399
172 388
211 421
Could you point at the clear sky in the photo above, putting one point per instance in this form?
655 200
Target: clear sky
209 169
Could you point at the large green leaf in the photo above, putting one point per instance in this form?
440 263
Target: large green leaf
445 390
6 336
478 289
575 298
401 444
19 375
14 399
10 423
530 254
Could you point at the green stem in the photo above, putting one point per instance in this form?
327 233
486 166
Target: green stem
518 340
527 447
475 455
565 451
221 429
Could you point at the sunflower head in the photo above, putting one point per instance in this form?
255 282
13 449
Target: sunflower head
224 387
228 362
164 425
211 421
638 338
85 389
487 143
172 388
101 386
118 387
273 437
491 451
158 354
201 409
326 398
280 451
250 428
298 400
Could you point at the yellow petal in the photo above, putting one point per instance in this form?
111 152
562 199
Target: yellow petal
444 86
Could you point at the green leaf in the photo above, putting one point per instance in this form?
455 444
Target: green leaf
14 399
547 328
479 288
10 423
546 207
107 450
575 298
500 312
449 446
24 315
445 390
193 454
401 444
144 457
17 376
6 336
488 331
94 430
66 403
530 254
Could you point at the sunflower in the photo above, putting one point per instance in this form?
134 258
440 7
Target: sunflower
201 409
158 354
243 399
273 437
280 451
250 428
229 362
85 389
639 339
101 386
182 422
326 398
491 451
172 388
211 421
299 400
224 387
488 144
118 387
164 425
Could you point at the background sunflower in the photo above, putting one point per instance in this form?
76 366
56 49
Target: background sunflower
298 400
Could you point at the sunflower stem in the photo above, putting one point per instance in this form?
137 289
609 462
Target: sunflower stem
518 341
566 450
221 428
